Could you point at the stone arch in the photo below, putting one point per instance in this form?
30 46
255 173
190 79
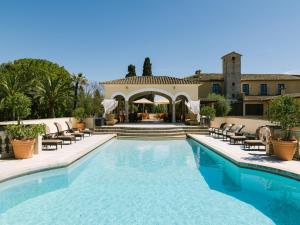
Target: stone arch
144 90
117 94
184 94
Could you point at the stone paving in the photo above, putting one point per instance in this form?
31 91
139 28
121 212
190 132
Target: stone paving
10 168
250 159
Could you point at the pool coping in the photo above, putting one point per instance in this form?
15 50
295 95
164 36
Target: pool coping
65 161
270 166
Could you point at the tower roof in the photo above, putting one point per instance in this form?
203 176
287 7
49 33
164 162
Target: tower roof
231 53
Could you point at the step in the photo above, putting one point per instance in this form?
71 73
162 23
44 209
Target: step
151 128
152 134
153 137
157 129
144 131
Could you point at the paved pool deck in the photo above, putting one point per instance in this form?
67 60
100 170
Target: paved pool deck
50 159
250 159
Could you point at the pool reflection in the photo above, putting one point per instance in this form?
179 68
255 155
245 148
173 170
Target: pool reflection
23 188
276 196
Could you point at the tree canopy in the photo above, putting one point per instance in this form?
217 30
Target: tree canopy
51 89
222 105
131 71
147 67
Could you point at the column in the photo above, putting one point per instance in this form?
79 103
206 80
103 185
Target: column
182 110
38 145
244 109
126 112
173 112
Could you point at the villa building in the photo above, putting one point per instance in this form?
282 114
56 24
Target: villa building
249 94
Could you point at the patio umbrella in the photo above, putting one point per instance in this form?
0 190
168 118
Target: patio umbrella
143 101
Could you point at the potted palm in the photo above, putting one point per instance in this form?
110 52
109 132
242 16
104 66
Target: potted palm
79 114
285 110
22 136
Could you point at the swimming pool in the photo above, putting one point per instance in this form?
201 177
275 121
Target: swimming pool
150 182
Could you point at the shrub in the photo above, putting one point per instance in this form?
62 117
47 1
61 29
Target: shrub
133 108
25 132
285 110
208 112
79 114
222 105
19 104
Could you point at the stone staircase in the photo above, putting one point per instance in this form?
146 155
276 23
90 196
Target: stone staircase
151 132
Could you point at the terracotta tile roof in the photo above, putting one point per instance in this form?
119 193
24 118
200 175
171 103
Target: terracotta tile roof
150 80
231 53
206 77
269 77
267 98
256 98
245 77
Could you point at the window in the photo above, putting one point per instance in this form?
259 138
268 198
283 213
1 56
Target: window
216 88
263 89
233 84
280 87
246 89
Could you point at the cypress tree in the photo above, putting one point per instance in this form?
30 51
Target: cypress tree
131 71
147 70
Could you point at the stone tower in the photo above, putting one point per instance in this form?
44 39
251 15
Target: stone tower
232 75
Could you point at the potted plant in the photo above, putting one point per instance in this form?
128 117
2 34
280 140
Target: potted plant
208 112
79 114
23 136
285 110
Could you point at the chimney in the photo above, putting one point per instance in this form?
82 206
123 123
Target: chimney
198 72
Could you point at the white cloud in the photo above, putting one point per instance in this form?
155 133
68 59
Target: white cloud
291 72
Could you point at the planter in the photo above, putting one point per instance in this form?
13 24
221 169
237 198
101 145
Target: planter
110 117
80 125
296 134
23 149
284 150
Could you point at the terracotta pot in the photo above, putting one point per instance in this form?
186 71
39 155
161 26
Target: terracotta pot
110 117
23 149
192 116
284 150
80 125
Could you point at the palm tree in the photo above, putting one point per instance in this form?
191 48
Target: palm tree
79 81
12 81
51 90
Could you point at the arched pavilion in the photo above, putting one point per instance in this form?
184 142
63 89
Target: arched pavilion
171 88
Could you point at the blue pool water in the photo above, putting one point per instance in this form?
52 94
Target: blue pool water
150 182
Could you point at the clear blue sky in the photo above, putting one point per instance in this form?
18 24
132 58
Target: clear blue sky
100 38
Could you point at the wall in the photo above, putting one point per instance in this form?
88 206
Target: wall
48 122
89 123
206 87
251 123
291 86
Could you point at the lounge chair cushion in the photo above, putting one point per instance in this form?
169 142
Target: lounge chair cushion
238 137
253 142
52 141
